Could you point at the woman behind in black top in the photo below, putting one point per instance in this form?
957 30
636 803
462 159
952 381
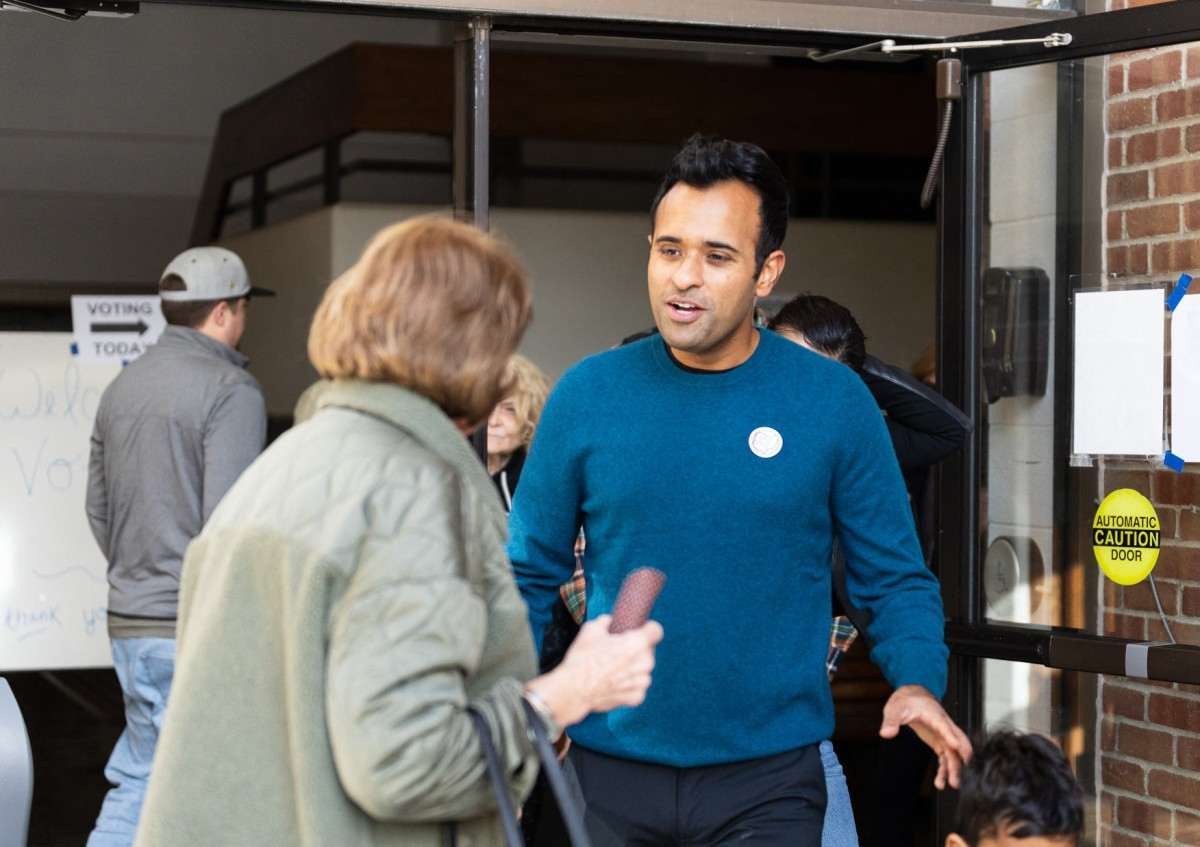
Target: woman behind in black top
511 424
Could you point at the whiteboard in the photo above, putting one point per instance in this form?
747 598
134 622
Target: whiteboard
53 583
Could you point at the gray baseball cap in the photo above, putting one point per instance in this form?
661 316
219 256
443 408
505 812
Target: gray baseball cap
209 273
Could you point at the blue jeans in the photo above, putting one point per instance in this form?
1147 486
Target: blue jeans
839 829
144 668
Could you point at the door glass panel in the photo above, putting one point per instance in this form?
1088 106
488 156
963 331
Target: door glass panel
1092 183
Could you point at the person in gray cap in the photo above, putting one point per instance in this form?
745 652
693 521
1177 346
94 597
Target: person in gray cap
173 432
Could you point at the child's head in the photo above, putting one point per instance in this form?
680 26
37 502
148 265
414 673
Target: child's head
1018 791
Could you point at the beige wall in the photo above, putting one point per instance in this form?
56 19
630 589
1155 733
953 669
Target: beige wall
588 272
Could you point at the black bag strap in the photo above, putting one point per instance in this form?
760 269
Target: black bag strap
508 815
571 816
567 808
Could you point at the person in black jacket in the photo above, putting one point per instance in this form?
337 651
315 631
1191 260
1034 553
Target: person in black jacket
925 429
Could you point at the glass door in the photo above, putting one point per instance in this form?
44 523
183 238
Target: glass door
1074 171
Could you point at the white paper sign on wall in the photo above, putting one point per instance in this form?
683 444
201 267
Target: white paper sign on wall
115 328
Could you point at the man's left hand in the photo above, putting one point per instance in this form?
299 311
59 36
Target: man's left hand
913 706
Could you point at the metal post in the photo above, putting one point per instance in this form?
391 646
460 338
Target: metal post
258 199
332 172
472 79
960 216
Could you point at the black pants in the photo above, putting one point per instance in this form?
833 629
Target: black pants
777 800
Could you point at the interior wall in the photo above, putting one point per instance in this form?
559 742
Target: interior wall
107 124
1020 497
589 279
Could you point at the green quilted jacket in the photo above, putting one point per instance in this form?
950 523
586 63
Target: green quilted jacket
347 600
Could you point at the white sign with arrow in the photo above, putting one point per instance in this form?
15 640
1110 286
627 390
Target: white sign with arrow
115 328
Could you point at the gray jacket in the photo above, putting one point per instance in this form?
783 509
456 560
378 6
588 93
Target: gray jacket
173 431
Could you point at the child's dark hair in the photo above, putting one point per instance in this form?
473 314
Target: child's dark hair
827 326
1021 786
706 160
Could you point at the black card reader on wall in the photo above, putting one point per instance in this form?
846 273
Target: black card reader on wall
1016 332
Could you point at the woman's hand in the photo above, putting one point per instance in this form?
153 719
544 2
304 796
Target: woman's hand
600 672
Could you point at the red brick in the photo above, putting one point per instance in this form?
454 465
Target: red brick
1173 788
1116 79
1152 220
1193 63
1108 734
1139 598
1124 626
1178 178
1191 138
1191 215
1130 114
1189 524
1152 146
1156 70
1188 753
1168 519
1120 774
1114 230
1174 256
1118 260
1173 105
1128 188
1126 702
1149 745
1144 817
1113 838
1190 603
1114 152
1181 489
1139 259
1177 712
1138 480
1187 829
1185 633
1178 563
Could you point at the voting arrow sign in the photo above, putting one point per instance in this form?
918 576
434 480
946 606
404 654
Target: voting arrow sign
115 328
140 327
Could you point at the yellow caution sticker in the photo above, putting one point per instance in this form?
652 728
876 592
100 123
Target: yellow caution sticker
1125 536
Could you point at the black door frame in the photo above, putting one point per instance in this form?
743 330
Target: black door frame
961 225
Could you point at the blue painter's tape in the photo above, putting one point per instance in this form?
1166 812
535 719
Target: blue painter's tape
1181 289
74 349
1173 462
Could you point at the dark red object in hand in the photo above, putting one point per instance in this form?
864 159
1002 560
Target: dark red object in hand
636 598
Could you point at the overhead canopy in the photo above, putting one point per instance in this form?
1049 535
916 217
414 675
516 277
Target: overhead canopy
768 20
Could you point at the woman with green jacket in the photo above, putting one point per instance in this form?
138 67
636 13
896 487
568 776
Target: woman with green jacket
350 597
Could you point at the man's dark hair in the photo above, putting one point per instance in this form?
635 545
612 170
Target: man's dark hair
827 326
189 313
1018 785
706 160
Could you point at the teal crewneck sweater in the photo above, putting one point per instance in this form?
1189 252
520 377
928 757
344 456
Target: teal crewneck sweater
734 484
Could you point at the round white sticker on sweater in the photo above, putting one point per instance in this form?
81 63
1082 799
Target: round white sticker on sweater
766 442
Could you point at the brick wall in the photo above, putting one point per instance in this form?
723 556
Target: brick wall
1148 780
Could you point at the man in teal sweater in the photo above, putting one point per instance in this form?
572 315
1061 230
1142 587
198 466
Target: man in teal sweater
729 458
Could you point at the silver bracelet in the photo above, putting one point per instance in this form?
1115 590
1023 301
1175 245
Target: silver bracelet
543 710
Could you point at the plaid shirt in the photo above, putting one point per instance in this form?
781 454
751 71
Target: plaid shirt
841 635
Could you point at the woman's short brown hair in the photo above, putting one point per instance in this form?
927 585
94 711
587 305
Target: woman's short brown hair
433 305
